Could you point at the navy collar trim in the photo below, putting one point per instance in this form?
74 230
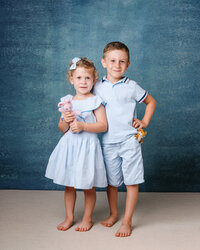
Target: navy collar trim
125 79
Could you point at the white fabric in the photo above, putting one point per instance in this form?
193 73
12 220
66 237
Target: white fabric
74 60
77 159
120 103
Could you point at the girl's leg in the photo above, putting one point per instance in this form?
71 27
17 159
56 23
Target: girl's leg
131 200
112 200
90 200
69 198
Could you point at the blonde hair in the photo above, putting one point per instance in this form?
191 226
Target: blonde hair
116 46
85 63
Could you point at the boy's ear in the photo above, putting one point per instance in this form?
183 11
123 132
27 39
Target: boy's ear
103 62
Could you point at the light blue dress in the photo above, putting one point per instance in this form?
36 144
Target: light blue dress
77 159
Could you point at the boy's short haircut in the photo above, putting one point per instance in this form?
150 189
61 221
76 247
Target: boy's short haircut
116 45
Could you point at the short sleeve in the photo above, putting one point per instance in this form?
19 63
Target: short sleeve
140 93
62 99
92 104
97 102
97 90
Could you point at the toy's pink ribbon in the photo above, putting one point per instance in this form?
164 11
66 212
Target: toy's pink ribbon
67 106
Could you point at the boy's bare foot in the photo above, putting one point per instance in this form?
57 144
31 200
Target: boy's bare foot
84 226
124 231
66 224
110 221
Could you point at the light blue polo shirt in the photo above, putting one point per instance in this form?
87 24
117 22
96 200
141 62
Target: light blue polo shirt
120 104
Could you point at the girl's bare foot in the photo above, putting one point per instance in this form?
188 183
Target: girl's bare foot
66 224
124 231
110 221
84 226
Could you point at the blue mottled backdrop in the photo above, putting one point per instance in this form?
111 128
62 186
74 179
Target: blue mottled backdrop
38 39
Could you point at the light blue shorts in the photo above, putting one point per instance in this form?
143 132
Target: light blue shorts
124 162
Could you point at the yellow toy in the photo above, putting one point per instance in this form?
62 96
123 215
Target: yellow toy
140 135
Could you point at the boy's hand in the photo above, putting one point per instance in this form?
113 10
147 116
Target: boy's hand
76 126
138 124
69 117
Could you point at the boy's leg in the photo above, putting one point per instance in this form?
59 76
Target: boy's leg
112 200
131 200
90 200
69 198
115 178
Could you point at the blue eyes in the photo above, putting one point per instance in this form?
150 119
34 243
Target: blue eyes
87 78
119 61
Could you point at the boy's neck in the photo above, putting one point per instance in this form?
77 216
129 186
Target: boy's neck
113 80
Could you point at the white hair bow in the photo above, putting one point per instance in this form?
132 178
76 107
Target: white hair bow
74 60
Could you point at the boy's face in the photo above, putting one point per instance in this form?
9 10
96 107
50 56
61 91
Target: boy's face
116 62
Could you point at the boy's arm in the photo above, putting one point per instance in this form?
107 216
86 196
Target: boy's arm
150 107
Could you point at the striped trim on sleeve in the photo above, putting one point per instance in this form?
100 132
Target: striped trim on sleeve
144 96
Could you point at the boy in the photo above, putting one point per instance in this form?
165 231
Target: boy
122 152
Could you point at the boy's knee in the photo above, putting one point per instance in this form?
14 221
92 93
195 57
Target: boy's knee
132 187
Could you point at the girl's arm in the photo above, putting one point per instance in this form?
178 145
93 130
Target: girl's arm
151 105
99 126
63 124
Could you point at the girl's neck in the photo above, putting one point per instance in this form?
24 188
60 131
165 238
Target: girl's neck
82 97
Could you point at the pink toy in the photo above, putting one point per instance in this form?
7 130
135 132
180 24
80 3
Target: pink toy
67 106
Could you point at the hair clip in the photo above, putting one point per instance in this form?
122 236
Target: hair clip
74 60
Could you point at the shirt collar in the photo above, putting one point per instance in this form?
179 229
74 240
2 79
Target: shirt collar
124 79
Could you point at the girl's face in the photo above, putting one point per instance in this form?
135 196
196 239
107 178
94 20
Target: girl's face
83 80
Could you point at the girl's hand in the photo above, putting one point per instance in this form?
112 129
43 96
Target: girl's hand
138 124
76 126
69 117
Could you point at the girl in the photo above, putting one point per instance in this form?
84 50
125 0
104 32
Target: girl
77 161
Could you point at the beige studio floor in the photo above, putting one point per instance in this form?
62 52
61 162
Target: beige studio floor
161 221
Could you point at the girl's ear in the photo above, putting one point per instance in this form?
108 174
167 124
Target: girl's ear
103 62
71 80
